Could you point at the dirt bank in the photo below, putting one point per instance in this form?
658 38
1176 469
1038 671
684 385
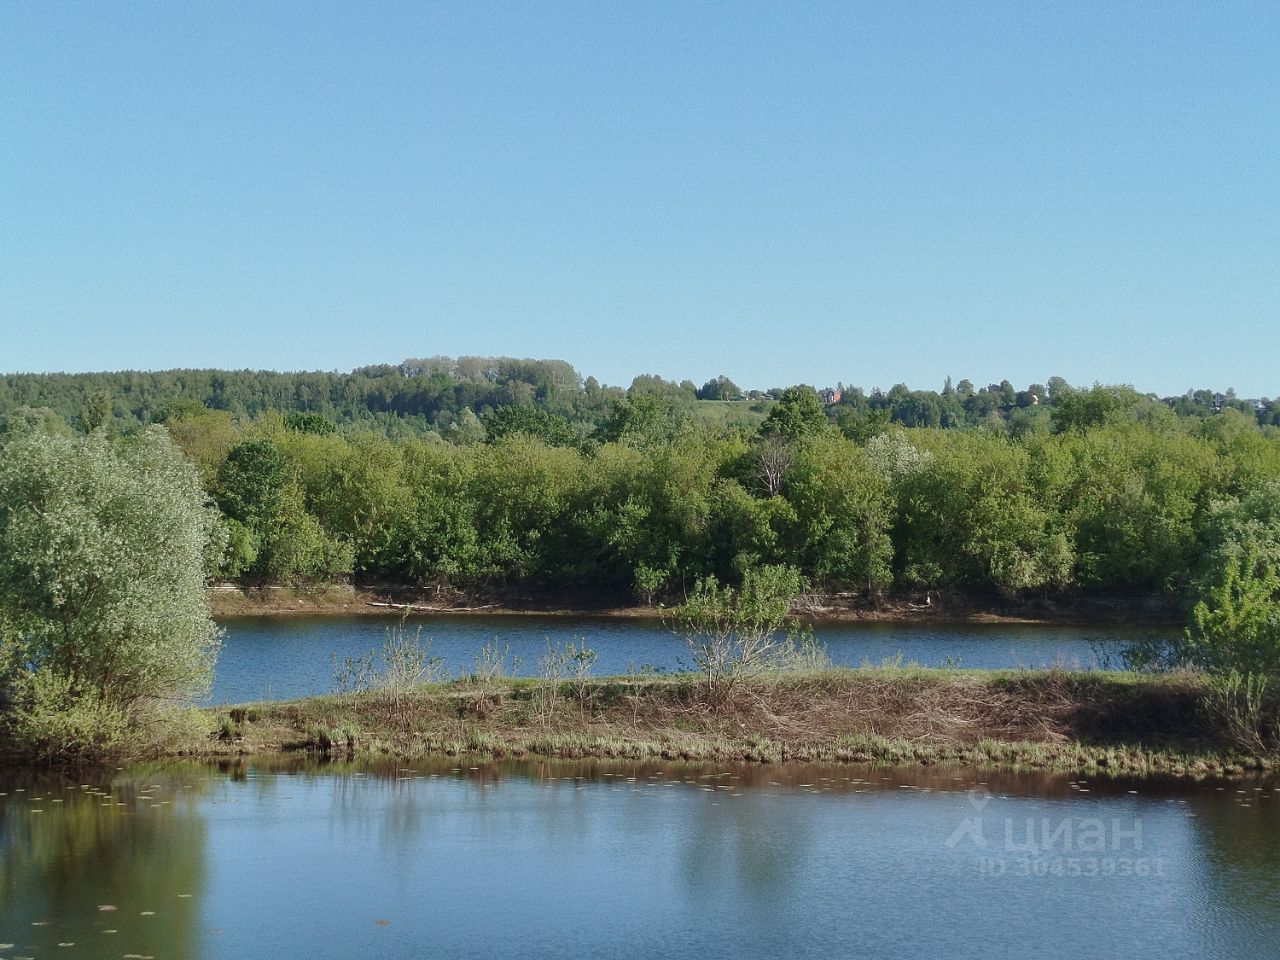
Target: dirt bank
231 600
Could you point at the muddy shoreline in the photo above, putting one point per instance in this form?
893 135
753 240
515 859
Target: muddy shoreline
234 600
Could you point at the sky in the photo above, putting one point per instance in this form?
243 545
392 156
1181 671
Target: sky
781 192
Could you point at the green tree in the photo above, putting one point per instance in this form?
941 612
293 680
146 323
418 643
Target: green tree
103 551
551 429
640 420
272 534
96 412
304 422
33 420
720 388
1084 409
798 413
843 514
251 482
1236 626
970 514
1133 503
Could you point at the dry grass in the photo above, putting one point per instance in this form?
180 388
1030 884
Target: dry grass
1031 719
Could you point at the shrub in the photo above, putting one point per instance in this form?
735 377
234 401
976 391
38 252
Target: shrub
1246 708
735 634
53 722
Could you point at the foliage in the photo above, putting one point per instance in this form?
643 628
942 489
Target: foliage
641 420
1246 707
565 482
306 422
424 397
102 559
272 534
1095 407
971 514
798 413
403 662
53 720
551 429
1236 626
103 551
720 388
735 634
655 500
1234 630
842 514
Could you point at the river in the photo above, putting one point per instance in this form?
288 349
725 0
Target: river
266 658
480 859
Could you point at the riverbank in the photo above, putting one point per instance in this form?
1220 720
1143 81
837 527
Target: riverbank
1072 722
1144 609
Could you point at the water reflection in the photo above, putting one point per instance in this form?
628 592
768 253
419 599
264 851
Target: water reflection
118 860
467 858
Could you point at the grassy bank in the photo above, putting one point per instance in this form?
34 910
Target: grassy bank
1025 719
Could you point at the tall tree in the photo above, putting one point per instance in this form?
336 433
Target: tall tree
103 555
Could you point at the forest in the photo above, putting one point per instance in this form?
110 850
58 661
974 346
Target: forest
446 396
543 479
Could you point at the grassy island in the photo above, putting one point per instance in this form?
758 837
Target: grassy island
1049 719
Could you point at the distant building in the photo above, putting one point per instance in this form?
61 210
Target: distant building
829 396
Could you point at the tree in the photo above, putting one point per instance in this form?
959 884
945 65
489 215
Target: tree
272 536
1132 504
773 457
719 388
96 412
251 483
1233 632
798 413
33 420
304 422
842 514
468 429
553 430
104 549
1084 409
859 426
970 514
639 420
1236 625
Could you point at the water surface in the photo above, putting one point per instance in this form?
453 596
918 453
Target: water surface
470 859
281 657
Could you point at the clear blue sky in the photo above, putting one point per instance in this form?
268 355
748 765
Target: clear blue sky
781 192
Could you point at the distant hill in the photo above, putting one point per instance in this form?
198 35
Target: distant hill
435 393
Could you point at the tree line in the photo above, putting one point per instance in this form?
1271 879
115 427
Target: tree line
448 397
1110 493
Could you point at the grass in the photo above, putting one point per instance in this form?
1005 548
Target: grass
1049 719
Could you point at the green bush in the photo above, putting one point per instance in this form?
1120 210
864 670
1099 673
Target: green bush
51 721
